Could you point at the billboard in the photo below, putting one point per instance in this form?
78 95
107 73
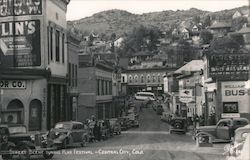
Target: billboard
20 7
20 43
229 66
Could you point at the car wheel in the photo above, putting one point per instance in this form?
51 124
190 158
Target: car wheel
64 144
8 156
25 152
47 155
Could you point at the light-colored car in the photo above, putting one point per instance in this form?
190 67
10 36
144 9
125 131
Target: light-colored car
223 130
234 149
68 133
145 96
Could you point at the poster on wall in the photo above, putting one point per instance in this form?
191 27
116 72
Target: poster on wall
229 66
20 43
20 7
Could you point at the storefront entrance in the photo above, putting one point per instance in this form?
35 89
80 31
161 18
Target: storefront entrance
35 115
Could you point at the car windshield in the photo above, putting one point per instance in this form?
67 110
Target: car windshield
63 126
17 129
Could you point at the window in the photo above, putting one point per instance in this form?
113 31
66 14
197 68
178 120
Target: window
51 43
69 69
130 79
110 87
136 78
102 93
73 75
142 79
159 78
123 79
48 39
63 40
148 78
57 46
76 68
154 78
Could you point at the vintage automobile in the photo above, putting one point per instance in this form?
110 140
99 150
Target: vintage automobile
178 125
16 141
115 125
68 133
166 116
125 123
234 149
223 130
159 109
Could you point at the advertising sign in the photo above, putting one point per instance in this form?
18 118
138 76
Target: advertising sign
186 95
20 7
229 66
230 107
20 43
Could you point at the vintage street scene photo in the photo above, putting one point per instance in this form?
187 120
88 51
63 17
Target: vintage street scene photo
125 79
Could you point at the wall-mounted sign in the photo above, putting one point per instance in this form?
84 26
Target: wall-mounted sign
20 7
230 115
229 66
230 107
186 95
12 84
20 43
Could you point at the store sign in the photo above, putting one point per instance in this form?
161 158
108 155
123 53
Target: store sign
235 89
230 115
20 7
12 84
229 66
230 107
20 43
186 95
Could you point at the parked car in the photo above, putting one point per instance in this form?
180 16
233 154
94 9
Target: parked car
145 96
159 109
166 117
68 133
115 125
178 125
14 139
125 123
233 150
223 130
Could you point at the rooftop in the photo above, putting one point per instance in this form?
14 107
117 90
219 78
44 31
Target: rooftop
192 66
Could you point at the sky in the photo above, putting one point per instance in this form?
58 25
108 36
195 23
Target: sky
78 9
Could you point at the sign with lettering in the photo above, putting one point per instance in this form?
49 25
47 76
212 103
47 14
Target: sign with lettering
20 43
12 84
230 115
229 66
235 89
20 7
186 95
230 107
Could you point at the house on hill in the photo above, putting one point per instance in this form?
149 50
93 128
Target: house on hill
219 29
242 13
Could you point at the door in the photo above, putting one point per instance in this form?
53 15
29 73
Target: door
222 130
35 115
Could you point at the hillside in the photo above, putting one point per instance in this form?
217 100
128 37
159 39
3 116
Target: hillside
120 22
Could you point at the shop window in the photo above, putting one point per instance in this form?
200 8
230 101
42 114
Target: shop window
14 113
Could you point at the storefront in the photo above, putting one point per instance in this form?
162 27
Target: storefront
24 102
235 99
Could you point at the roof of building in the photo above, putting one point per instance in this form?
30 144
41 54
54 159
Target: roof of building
217 24
192 66
244 30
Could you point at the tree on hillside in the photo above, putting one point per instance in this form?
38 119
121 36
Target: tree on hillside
206 36
207 21
141 38
185 50
196 19
237 23
224 45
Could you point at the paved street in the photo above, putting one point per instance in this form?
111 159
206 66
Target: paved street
151 141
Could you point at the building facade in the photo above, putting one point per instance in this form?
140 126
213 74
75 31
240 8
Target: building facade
33 64
95 92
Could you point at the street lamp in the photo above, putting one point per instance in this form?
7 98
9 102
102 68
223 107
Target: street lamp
195 106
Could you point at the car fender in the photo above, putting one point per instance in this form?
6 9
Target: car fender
26 143
205 133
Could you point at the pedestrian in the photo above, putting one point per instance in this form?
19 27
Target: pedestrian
99 132
95 131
